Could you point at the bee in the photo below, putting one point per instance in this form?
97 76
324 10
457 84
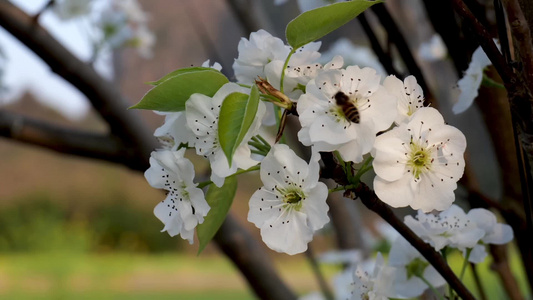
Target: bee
348 108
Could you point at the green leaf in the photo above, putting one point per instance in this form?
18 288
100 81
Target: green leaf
236 116
171 94
179 72
220 200
314 24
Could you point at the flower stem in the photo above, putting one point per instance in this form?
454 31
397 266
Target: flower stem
342 188
245 85
465 263
267 144
284 68
203 184
432 288
444 253
367 166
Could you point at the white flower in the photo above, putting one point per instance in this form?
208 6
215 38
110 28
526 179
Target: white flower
174 130
354 55
202 118
185 206
409 94
124 23
144 41
493 233
264 55
419 163
69 9
291 205
471 81
451 227
256 53
215 66
433 50
324 123
410 266
376 285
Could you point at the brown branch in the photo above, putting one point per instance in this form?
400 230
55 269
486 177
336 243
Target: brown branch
63 140
104 96
522 36
372 202
252 260
486 42
395 35
384 58
136 138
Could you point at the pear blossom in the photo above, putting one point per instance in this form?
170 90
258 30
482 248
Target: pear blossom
124 23
419 163
410 267
409 94
216 65
174 130
70 9
471 81
264 55
324 124
202 114
493 233
377 285
291 205
185 206
452 228
433 50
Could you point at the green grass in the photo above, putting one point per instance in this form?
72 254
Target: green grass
118 276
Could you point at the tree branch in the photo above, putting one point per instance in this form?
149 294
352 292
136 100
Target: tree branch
372 202
522 36
63 140
105 98
395 35
384 58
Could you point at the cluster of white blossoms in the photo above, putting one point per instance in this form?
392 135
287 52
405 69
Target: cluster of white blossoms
118 22
469 232
406 275
350 110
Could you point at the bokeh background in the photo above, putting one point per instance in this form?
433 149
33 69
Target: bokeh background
73 228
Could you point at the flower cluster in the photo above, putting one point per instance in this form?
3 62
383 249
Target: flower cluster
351 111
469 232
119 23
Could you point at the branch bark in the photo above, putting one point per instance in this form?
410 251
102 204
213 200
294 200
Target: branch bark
63 140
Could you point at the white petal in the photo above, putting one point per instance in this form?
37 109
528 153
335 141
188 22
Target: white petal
289 234
396 193
501 234
264 205
315 206
478 254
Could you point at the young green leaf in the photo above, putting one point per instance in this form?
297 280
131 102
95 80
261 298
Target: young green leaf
314 24
236 116
178 72
219 199
171 94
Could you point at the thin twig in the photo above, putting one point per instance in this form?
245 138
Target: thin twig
384 58
395 35
326 291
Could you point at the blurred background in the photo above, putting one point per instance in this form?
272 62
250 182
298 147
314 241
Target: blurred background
74 228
